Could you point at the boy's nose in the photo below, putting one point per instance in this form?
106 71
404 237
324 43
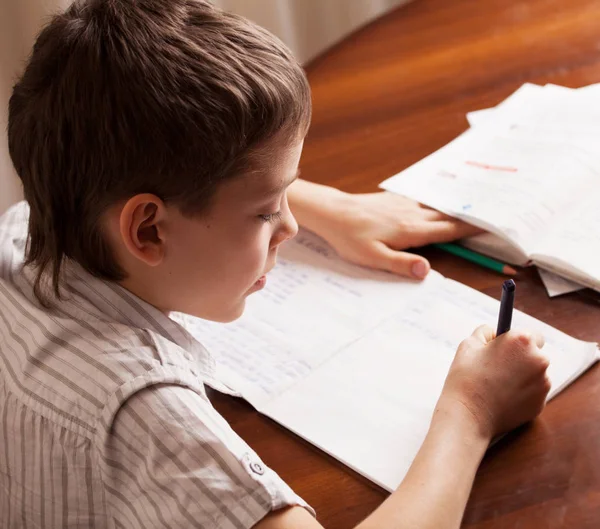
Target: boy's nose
291 226
287 230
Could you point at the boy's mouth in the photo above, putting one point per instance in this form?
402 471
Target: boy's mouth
261 281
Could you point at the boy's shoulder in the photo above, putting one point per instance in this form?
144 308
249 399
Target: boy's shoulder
76 361
77 369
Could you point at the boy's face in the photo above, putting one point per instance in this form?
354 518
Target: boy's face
213 262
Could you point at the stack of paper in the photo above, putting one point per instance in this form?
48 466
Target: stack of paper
528 172
354 360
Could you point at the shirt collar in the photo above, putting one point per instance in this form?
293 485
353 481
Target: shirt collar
120 305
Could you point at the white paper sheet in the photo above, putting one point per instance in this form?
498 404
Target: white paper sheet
509 186
354 360
371 404
528 171
556 285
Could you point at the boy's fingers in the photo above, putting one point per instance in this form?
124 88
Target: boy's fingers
540 341
447 230
430 231
400 263
529 337
484 333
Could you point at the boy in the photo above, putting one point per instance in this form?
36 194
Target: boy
156 140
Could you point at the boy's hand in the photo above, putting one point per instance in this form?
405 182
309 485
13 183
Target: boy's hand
501 381
372 229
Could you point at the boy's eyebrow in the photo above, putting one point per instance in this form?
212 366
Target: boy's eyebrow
284 185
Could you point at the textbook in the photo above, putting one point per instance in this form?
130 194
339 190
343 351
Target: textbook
527 172
353 360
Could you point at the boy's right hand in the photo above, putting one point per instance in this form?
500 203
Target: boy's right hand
501 381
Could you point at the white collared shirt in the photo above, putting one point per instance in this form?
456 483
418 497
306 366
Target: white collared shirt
104 417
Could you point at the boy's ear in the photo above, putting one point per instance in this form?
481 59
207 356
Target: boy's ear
142 230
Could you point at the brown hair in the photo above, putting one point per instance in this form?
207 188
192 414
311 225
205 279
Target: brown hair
121 97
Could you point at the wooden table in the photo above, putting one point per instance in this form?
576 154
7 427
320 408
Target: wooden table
386 97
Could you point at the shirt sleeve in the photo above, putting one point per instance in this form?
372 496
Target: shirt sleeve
172 461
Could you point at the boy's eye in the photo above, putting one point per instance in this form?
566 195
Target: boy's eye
270 217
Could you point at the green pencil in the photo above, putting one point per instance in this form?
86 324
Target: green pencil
469 255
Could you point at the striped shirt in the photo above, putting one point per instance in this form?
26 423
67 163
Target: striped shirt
104 417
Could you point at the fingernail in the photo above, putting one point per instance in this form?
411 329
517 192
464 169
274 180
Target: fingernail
419 269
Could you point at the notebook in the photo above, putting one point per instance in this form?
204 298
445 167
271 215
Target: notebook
528 172
353 360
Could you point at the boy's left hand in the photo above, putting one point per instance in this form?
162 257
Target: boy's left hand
373 229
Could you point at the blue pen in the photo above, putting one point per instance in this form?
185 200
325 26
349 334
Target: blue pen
506 307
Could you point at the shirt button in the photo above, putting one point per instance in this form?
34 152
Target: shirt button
257 468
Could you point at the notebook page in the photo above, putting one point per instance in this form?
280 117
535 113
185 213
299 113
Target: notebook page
491 245
314 304
574 243
511 187
370 405
519 103
557 285
564 111
592 89
552 113
496 247
532 105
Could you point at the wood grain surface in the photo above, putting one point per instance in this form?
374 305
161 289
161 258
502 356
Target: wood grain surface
384 98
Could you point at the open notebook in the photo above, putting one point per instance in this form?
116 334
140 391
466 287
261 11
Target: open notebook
528 172
354 360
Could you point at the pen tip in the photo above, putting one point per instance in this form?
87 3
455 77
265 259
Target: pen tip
509 270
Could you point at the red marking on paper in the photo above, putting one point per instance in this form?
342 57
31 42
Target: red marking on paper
492 167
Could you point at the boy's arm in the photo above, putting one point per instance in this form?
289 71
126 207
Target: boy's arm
372 229
435 491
